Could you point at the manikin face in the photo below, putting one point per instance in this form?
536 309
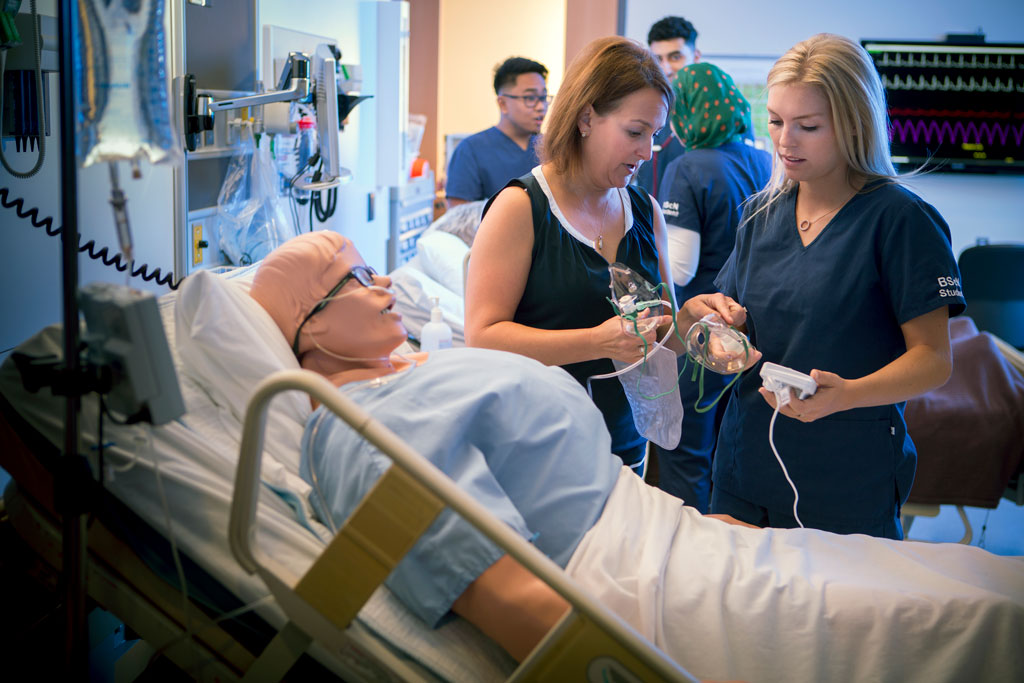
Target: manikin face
618 142
673 55
527 118
801 128
358 321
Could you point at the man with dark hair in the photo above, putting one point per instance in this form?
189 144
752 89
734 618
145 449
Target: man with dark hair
484 162
673 40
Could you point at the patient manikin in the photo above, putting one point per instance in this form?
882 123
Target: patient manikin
724 600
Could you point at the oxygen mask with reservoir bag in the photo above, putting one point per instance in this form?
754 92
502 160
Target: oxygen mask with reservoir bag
651 384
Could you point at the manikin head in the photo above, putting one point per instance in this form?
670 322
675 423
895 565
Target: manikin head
356 322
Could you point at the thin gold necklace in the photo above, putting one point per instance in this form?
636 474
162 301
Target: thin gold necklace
805 225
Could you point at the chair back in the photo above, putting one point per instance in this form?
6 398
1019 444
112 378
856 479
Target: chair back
992 276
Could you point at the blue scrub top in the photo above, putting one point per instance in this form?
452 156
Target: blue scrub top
704 190
482 164
836 305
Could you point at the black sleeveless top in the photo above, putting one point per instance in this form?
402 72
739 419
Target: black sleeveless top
568 288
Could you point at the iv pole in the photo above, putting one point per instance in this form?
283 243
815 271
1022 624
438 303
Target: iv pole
72 480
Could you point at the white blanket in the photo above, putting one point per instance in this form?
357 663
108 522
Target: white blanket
802 605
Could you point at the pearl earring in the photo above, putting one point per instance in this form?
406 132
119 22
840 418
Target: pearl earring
583 133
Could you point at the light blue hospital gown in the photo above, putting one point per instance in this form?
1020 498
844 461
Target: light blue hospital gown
523 439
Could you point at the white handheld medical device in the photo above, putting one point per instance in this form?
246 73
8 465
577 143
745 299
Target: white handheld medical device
777 379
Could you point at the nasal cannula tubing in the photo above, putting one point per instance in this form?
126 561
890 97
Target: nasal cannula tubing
353 358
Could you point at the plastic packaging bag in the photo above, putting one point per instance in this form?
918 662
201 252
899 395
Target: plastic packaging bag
250 217
652 390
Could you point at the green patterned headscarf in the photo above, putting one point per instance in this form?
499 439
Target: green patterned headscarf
709 109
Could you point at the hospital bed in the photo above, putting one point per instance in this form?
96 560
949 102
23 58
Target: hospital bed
438 269
175 488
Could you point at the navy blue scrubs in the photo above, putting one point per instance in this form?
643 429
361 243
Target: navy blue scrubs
836 305
704 191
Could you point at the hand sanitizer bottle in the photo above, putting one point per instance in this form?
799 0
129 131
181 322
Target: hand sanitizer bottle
436 334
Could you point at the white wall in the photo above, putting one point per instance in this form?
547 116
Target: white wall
477 36
754 27
974 205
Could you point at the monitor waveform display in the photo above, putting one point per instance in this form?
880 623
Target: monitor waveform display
952 106
956 132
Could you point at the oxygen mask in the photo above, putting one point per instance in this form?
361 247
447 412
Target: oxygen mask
636 302
717 346
651 383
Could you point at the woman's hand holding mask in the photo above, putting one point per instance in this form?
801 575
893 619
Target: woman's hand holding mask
701 305
617 339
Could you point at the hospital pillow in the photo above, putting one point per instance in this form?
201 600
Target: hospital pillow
413 292
442 255
228 343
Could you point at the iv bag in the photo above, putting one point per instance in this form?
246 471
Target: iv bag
123 110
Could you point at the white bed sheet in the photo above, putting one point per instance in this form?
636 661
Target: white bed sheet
196 457
781 605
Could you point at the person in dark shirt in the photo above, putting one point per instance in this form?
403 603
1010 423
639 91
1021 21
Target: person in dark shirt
702 195
538 279
673 42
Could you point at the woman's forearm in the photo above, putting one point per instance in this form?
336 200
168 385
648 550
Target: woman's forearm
551 347
916 372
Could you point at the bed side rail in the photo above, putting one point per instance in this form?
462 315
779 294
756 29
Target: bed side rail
589 642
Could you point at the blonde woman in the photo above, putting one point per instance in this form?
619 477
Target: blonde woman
538 277
845 275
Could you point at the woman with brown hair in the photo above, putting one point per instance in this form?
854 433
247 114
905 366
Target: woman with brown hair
538 278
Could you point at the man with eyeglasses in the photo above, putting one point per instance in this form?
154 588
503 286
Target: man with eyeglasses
673 41
485 161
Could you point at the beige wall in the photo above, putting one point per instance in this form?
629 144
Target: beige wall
477 35
588 19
